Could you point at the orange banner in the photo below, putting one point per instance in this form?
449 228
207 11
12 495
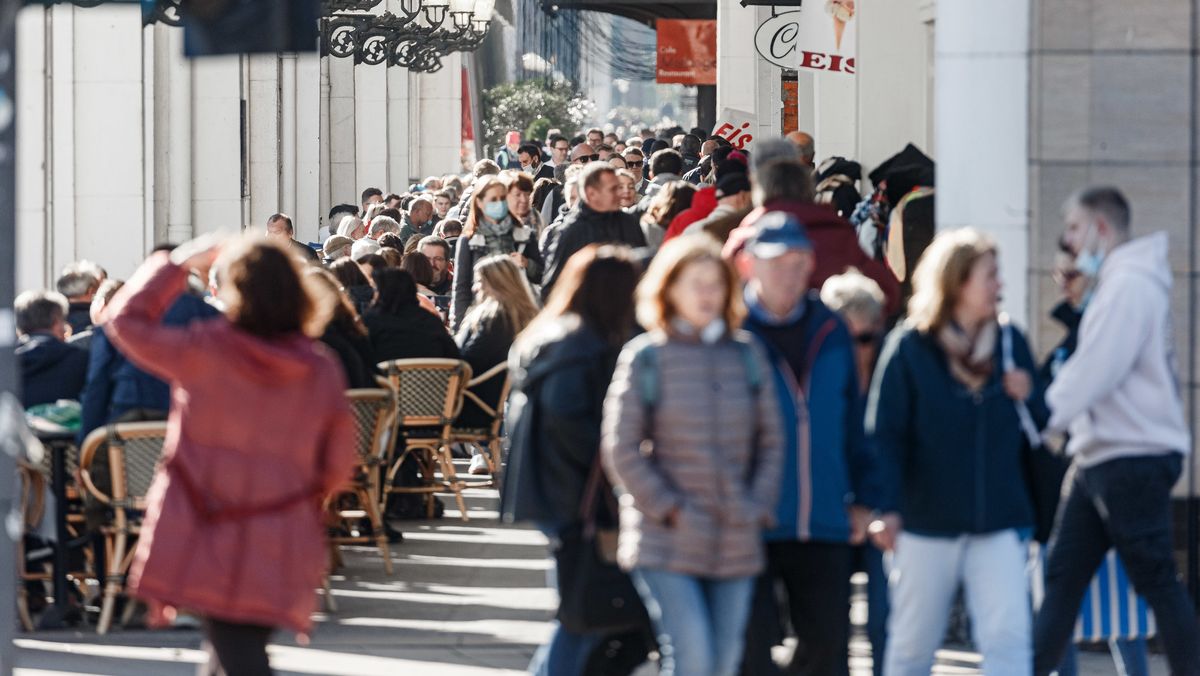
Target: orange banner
687 51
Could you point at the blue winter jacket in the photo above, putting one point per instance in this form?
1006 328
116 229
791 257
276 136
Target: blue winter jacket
953 458
115 386
815 368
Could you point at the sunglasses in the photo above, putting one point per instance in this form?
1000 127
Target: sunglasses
635 165
1066 276
588 158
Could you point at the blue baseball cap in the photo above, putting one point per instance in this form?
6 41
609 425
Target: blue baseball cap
777 232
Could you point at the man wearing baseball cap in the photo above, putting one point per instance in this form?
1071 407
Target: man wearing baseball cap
830 480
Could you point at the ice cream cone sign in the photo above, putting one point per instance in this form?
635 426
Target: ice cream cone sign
842 12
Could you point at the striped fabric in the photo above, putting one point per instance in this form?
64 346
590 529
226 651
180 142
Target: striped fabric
1110 609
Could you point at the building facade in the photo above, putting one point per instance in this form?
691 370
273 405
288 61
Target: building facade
123 143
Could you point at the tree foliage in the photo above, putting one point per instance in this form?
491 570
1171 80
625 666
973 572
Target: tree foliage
529 106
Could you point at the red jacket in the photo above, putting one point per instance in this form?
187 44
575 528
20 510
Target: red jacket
835 246
253 423
703 203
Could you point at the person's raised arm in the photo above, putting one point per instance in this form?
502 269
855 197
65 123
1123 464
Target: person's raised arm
135 314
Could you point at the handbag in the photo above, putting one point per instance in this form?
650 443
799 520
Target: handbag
594 594
1044 471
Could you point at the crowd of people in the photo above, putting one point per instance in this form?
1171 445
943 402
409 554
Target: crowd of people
736 381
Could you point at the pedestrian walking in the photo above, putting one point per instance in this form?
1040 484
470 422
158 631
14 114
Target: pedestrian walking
562 365
250 457
1118 397
831 482
947 422
692 442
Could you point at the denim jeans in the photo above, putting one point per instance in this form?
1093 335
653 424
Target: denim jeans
1129 656
566 654
1124 504
700 622
870 560
926 574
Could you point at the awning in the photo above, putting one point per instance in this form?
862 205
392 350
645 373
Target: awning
645 11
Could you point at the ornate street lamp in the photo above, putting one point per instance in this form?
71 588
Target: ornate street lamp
417 38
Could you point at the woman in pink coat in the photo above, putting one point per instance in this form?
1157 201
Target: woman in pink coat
259 433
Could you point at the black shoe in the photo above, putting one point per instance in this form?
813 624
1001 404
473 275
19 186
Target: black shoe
393 536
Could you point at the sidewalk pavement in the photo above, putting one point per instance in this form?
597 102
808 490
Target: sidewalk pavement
466 599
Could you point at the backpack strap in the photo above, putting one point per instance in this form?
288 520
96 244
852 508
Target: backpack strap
1028 426
750 365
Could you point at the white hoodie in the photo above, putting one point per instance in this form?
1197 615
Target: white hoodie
1118 394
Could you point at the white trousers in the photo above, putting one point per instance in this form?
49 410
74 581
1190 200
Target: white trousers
925 575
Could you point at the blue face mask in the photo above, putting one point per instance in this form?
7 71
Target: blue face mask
1089 260
496 210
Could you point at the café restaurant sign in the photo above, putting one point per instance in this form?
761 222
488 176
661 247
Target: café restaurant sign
821 36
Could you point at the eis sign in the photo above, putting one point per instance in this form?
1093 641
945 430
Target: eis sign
821 37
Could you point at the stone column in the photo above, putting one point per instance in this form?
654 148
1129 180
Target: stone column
981 108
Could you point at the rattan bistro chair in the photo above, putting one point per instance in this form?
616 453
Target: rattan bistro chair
133 451
374 412
487 437
429 394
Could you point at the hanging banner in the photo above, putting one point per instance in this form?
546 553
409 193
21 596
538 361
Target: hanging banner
737 127
687 51
822 37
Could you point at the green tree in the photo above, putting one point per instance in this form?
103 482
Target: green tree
529 106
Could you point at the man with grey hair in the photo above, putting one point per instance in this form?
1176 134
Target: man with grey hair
78 283
1118 397
597 219
381 225
806 145
51 368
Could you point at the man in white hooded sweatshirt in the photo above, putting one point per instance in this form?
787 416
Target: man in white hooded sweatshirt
1119 400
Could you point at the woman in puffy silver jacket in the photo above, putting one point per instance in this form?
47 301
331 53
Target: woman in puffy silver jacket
692 443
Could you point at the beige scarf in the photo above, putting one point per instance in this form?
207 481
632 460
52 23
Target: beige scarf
970 363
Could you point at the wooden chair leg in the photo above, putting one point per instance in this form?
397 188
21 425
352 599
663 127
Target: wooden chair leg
450 477
23 606
381 539
112 585
330 604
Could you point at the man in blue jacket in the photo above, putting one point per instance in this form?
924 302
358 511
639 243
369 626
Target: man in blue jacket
829 478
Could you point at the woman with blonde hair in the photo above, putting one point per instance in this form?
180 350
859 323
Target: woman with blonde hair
503 307
252 448
491 229
692 437
950 409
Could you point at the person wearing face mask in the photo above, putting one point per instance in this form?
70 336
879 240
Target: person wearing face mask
833 483
530 158
490 230
945 415
1117 396
693 510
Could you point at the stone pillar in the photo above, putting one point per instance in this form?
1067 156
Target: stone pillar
440 143
217 170
981 107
